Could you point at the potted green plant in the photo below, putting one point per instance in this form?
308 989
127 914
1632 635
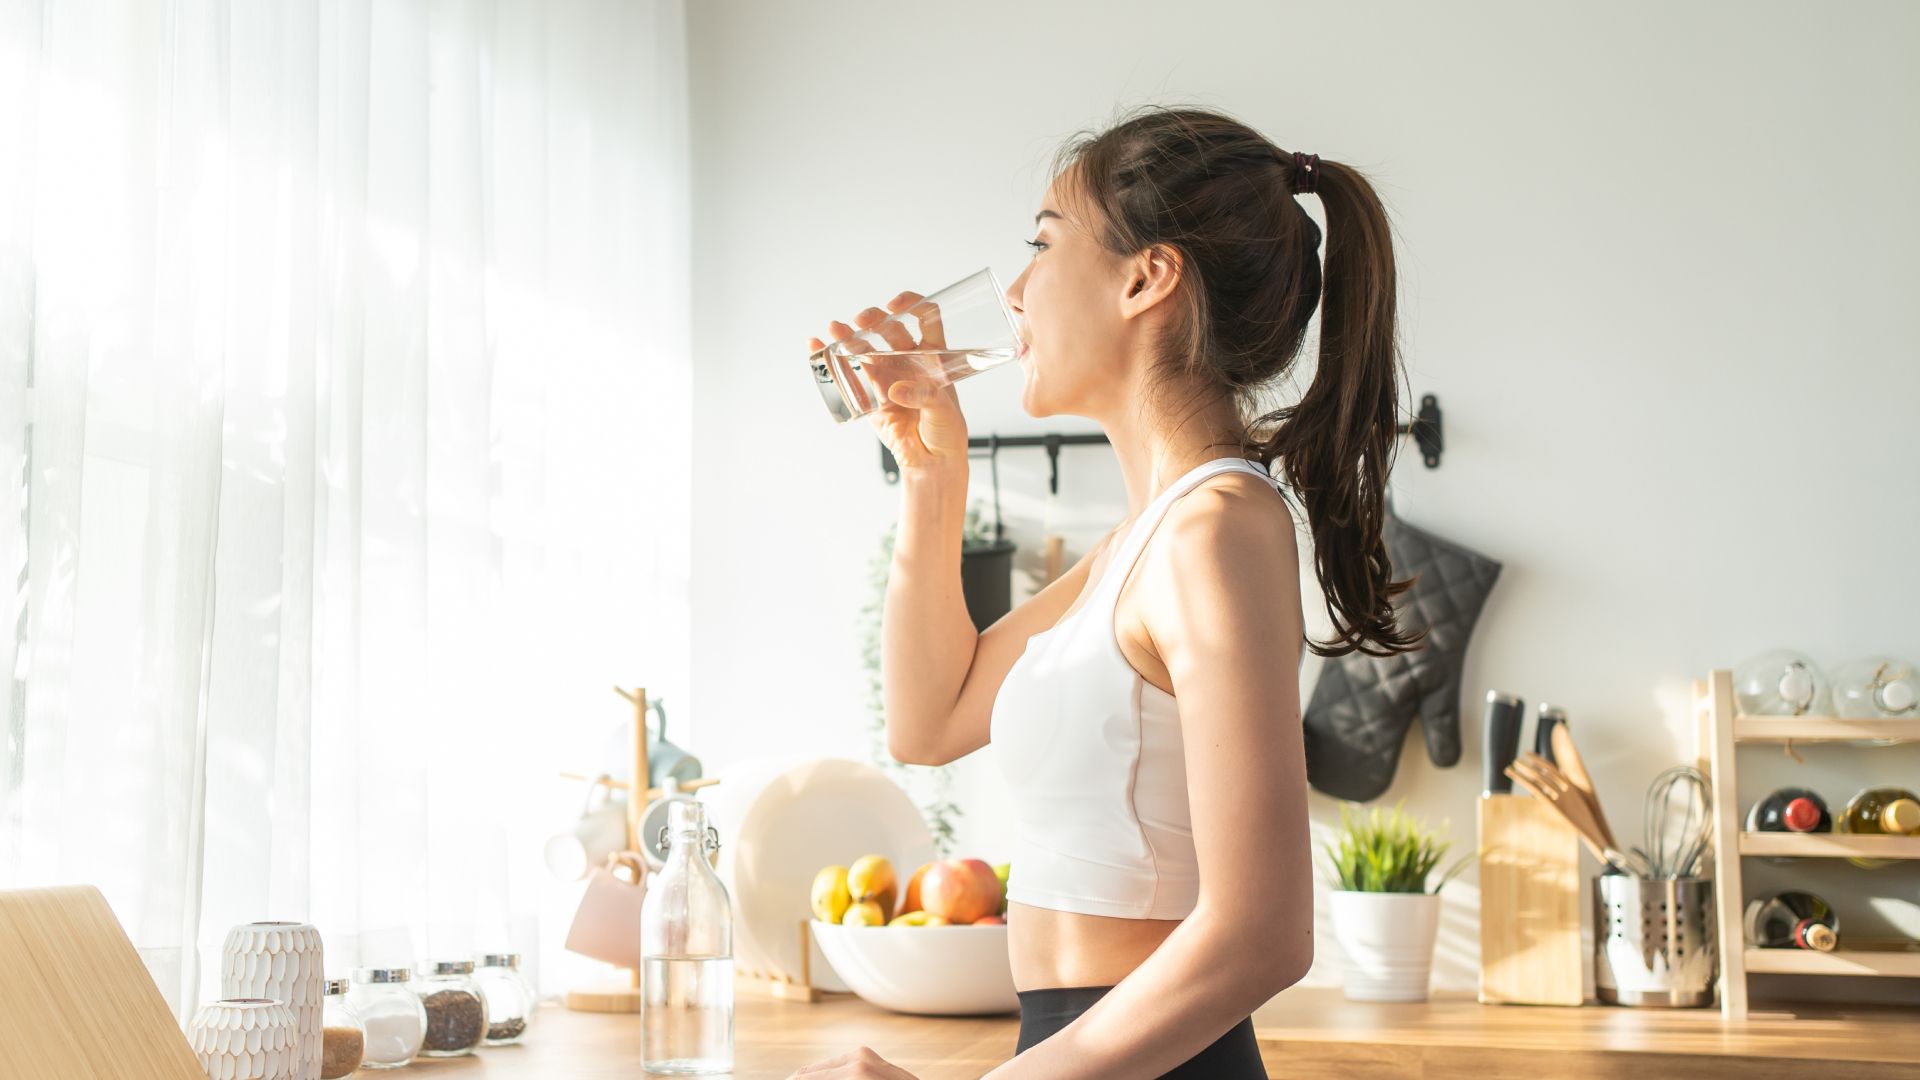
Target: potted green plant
1384 915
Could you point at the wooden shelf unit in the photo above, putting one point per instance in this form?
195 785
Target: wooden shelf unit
1721 734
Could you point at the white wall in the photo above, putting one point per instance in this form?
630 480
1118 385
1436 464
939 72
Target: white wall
1656 262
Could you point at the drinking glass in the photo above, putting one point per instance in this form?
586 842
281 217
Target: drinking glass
958 331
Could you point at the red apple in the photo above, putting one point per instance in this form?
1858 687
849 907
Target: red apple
960 890
911 901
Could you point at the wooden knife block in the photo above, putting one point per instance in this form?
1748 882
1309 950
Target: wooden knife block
1529 904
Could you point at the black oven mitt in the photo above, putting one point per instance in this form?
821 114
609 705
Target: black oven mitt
1357 720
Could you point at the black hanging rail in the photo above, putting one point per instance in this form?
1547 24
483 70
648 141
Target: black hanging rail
1424 427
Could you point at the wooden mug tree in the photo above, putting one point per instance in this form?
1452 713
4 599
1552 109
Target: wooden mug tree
624 996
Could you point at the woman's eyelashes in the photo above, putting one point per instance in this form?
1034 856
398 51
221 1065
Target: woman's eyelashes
1036 245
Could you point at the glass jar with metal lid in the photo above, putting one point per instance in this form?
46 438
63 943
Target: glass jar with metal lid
509 997
456 1014
390 1016
343 1040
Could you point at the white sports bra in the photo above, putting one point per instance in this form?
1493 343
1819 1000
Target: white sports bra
1092 757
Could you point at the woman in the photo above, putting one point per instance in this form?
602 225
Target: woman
1140 705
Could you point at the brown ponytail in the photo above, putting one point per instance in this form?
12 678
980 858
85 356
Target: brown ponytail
1221 195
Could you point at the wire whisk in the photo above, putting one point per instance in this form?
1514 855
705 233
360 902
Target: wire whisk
1677 834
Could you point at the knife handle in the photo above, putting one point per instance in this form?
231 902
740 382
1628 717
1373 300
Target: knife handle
1551 716
1501 734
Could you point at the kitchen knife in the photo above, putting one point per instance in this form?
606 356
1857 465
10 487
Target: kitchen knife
1501 733
1550 717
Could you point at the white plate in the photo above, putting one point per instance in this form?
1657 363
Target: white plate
780 821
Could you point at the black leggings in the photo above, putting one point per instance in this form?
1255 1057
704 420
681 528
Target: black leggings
1233 1056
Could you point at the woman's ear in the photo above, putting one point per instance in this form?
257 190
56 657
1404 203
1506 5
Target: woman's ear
1154 274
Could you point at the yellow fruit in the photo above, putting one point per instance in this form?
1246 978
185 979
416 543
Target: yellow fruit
871 878
864 913
911 918
830 895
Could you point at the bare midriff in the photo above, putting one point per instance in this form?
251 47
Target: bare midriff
1052 949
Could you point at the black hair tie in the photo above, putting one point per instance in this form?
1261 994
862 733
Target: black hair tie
1306 172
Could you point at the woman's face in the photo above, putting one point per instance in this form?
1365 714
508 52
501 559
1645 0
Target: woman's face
1069 301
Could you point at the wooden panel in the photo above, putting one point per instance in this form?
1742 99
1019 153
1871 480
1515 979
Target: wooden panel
76 1003
1304 1032
1819 728
1902 959
1829 845
1529 904
1727 888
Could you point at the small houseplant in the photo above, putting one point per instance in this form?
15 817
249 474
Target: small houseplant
1385 916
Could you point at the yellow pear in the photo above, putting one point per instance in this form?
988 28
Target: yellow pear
871 878
830 895
864 913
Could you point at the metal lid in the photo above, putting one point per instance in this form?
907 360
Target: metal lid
451 967
382 975
500 959
334 987
1553 711
1501 697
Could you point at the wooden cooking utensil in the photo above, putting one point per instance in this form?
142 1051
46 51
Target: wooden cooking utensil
1539 776
1570 762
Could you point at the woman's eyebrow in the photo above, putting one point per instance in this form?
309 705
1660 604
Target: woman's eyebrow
1047 214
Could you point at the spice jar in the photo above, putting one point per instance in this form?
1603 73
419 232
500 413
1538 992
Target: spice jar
343 1038
509 997
390 1016
456 1015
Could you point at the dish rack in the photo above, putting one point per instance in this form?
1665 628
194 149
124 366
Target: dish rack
1721 735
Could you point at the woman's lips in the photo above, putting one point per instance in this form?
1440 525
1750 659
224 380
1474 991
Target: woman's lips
1020 351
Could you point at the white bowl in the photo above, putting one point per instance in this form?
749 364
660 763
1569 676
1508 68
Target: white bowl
936 970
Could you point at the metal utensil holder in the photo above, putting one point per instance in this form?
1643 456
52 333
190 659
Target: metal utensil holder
1653 941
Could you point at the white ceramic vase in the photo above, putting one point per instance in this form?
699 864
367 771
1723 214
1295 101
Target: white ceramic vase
282 961
246 1039
1388 941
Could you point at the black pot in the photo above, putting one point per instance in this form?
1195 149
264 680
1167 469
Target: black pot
986 581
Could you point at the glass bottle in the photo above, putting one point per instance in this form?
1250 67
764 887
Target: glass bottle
1790 809
686 954
1792 920
1882 811
343 1038
1877 688
1781 683
390 1014
456 1014
509 997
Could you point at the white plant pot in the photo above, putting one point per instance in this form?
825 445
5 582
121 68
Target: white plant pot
253 1039
1388 941
282 961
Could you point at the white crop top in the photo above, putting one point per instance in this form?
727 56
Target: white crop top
1092 757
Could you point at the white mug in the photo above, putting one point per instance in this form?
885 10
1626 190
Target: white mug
601 831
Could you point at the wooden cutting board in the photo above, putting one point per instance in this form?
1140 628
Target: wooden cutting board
76 1003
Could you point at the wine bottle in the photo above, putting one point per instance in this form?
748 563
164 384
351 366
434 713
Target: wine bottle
1792 920
1790 809
1881 811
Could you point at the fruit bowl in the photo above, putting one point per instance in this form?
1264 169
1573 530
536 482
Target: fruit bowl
933 970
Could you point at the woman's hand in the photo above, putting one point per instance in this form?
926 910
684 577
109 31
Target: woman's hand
920 423
861 1064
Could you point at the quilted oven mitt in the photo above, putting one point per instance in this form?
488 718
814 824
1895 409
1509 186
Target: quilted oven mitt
1357 720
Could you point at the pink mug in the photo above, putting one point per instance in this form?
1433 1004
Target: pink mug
607 925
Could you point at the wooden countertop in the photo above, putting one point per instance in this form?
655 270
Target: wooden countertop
1305 1032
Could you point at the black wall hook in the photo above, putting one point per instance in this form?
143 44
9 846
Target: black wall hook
1424 427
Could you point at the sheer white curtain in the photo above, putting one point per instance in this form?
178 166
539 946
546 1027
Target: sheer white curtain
343 451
